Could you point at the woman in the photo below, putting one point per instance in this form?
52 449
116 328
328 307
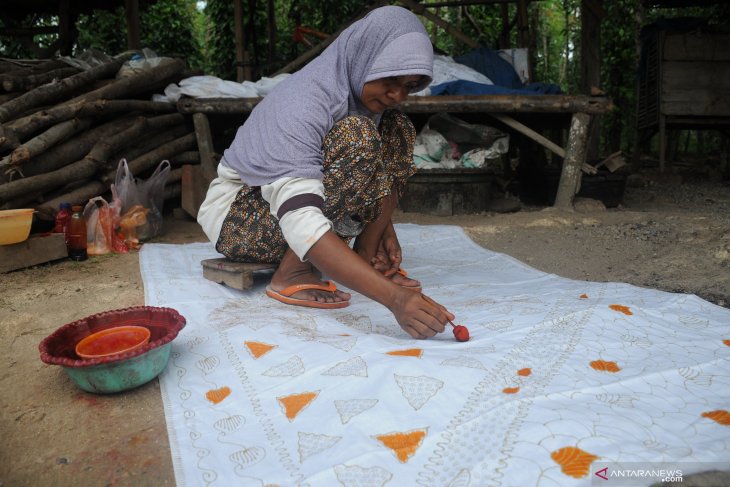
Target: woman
322 159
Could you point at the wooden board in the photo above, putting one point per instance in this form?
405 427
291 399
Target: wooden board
238 275
36 250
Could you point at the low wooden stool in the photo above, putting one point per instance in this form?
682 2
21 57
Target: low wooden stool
238 275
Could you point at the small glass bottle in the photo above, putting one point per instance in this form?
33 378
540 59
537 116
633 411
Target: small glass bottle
62 218
76 235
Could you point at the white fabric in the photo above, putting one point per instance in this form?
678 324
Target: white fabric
218 200
260 393
302 228
214 87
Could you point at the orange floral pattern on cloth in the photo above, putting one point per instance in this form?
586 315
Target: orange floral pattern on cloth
258 349
583 296
403 444
605 366
217 395
524 372
721 416
726 342
621 309
295 403
511 390
408 352
573 461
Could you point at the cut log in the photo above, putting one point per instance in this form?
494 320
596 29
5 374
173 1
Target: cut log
52 92
151 159
78 196
49 138
149 143
103 149
25 126
74 149
25 83
189 157
134 84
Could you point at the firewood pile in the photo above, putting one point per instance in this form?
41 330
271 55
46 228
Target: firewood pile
63 130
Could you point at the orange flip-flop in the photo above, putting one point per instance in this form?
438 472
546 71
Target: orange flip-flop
403 273
284 296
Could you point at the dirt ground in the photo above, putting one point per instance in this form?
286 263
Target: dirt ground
669 234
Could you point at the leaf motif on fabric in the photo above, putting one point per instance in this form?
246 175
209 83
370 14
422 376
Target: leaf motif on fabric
408 352
248 456
573 461
293 404
418 390
207 364
470 362
721 416
291 368
217 395
605 366
357 476
311 444
351 408
258 349
354 366
229 424
403 444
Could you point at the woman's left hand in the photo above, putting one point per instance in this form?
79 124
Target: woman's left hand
389 254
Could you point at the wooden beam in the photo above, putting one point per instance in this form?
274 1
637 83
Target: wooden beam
131 10
421 10
524 129
433 104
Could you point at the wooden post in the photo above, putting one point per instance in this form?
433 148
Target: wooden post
205 146
505 41
131 9
523 24
241 57
590 60
574 158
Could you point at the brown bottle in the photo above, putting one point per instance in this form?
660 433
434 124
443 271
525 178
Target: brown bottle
76 235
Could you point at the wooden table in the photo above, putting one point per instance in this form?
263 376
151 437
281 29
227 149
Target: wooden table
580 108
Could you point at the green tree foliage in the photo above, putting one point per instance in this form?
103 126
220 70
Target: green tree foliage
167 27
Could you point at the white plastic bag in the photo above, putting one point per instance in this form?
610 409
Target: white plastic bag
147 193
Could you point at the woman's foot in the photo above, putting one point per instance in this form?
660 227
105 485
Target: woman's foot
400 277
292 271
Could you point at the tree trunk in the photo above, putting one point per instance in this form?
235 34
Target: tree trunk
74 149
43 142
25 126
52 92
134 84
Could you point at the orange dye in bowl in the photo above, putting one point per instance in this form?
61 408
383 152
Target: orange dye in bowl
112 341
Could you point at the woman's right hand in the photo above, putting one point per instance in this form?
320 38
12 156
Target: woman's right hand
419 317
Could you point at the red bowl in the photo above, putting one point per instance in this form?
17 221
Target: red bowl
59 348
112 341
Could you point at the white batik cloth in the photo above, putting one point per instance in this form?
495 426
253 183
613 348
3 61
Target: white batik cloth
560 376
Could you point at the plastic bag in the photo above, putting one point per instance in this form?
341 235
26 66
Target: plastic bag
101 221
149 194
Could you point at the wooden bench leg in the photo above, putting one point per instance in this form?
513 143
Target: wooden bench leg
575 154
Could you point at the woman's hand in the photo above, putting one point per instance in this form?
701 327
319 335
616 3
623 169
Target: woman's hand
418 317
389 255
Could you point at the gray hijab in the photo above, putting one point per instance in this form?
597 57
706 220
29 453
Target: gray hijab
283 135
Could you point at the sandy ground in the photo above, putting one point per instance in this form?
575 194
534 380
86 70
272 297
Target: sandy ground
667 235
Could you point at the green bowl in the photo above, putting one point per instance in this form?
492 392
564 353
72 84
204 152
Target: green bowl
121 376
123 371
